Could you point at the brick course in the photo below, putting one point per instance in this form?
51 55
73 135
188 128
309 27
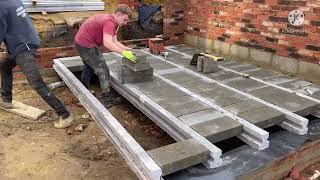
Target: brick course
262 24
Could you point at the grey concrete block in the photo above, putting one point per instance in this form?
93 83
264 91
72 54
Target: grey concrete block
225 76
279 79
199 64
285 100
263 117
134 79
296 84
198 86
218 91
221 47
151 84
125 71
180 155
163 92
262 73
292 103
289 65
205 43
261 57
310 71
233 63
176 101
139 66
266 91
160 65
190 40
201 117
239 52
245 67
180 77
225 49
219 129
244 84
207 65
187 108
228 100
244 106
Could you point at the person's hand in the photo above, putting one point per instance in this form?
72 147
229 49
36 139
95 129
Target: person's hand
130 56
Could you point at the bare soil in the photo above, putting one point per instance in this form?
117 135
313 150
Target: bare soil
35 150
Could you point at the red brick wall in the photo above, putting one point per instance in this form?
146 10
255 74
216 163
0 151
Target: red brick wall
262 24
133 4
173 21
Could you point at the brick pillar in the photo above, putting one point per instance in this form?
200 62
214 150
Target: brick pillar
173 22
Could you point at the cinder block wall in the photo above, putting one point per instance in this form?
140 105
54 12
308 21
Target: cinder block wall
256 30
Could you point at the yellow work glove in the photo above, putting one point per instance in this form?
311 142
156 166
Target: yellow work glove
130 56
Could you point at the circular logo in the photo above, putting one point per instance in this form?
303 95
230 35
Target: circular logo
296 17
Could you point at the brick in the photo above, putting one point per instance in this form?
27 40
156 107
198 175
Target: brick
313 47
258 1
315 23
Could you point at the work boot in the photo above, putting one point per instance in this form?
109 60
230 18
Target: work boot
106 100
64 123
6 105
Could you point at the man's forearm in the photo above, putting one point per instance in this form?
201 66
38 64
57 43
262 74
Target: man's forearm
113 47
122 46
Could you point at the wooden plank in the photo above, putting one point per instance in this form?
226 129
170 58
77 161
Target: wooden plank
25 110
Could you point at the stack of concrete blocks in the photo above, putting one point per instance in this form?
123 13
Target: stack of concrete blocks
141 71
207 65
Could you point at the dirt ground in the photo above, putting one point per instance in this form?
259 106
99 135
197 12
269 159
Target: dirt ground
35 150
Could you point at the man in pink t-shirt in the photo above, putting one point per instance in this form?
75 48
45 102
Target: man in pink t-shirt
101 30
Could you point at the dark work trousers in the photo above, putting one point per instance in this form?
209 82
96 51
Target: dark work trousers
94 63
26 60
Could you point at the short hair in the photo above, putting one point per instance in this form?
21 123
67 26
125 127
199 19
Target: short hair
124 9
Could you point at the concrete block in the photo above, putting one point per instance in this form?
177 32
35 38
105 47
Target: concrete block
239 52
201 117
289 65
279 79
198 86
310 71
176 101
293 103
191 40
180 155
260 57
245 84
205 43
139 66
225 77
263 117
245 67
295 84
217 46
127 72
221 47
135 79
219 129
262 73
209 66
199 64
244 106
180 77
187 108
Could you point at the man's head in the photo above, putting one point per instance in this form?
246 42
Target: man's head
122 14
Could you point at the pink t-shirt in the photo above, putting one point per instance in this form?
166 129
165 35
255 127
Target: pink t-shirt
91 31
